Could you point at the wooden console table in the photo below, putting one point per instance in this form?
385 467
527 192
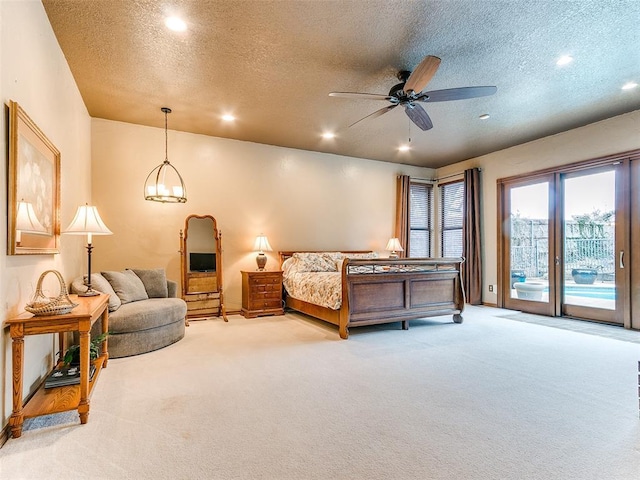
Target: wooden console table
58 399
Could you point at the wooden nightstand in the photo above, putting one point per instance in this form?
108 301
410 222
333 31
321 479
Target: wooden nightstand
261 293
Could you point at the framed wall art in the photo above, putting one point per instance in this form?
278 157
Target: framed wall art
33 191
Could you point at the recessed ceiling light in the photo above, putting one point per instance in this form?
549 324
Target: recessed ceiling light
629 85
404 148
328 135
176 24
227 117
484 116
564 60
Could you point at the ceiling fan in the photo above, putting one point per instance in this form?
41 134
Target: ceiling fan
409 94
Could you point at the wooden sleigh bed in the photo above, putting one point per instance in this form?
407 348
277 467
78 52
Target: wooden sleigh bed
375 291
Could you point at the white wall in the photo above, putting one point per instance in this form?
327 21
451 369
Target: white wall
299 199
35 74
614 135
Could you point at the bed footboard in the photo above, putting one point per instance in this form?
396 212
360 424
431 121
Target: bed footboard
399 290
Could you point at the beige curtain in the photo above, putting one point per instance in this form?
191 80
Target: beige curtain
402 212
472 251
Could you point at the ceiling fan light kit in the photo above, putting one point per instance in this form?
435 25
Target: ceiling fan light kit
410 91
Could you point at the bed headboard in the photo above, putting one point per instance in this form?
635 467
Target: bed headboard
289 253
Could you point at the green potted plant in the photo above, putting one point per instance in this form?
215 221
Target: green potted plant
72 355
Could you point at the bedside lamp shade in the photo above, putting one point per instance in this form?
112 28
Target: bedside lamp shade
88 222
393 246
261 245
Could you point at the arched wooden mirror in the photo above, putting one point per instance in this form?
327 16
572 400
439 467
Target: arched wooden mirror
201 264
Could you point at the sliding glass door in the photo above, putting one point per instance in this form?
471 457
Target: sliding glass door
590 258
564 243
528 234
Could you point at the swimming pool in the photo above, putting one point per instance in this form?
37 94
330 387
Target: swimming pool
605 292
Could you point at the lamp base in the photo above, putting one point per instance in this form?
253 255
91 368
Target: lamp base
89 293
261 260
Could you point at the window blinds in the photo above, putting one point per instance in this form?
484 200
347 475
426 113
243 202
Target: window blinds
452 218
420 224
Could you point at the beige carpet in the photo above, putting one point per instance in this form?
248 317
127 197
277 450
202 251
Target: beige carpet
285 398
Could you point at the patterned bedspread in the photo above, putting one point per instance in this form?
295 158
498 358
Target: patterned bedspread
315 277
319 288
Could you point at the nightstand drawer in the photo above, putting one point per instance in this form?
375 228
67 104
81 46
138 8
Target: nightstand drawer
258 304
265 280
258 289
266 294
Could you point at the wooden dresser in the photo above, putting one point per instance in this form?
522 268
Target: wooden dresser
261 293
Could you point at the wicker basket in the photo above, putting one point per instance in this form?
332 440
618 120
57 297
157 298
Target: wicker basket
42 305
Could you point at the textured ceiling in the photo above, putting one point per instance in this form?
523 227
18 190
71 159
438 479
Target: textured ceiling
273 63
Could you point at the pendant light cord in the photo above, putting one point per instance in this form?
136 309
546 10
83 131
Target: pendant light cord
166 139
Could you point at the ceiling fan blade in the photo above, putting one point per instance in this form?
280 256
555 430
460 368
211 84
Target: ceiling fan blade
375 114
418 116
360 96
456 94
422 74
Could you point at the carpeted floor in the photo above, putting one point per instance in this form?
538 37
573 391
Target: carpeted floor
284 398
590 328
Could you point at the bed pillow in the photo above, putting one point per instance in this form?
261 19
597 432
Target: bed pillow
314 262
154 281
127 285
361 256
355 256
289 267
99 284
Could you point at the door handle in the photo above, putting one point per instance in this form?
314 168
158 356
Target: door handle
557 261
621 258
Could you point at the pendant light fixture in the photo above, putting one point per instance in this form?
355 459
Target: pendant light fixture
164 183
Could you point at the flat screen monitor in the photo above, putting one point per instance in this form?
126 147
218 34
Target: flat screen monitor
202 262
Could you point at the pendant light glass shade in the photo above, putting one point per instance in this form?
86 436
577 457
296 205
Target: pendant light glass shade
164 183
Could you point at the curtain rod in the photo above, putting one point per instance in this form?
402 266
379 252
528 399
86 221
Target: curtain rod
440 178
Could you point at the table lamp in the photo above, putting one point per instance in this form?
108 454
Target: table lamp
261 245
393 246
88 222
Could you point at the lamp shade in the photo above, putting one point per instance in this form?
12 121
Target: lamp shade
262 244
393 245
27 221
87 222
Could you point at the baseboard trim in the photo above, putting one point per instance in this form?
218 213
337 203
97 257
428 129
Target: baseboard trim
4 435
488 304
